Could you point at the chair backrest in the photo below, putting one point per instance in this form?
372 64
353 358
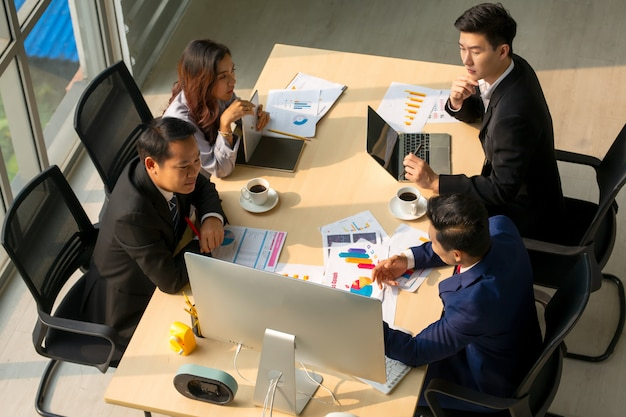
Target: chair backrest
47 235
110 116
611 177
561 314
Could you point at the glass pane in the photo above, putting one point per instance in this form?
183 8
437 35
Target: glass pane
6 146
4 29
24 8
52 57
18 4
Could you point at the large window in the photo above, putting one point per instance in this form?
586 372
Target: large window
39 64
52 58
46 61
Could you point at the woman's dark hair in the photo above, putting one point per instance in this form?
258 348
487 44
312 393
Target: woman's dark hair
197 72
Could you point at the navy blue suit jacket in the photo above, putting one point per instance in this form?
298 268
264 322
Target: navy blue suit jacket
488 336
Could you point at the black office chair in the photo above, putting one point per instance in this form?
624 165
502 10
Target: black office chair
535 394
110 115
48 236
589 227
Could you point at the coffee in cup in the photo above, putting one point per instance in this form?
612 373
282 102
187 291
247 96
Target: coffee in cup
256 191
408 198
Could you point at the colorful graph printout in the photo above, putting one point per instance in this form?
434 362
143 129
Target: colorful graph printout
407 107
256 248
293 111
352 229
350 268
329 91
439 113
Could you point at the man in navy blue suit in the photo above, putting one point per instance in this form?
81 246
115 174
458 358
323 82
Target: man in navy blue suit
488 336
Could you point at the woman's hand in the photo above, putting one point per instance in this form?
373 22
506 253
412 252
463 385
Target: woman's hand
263 118
234 112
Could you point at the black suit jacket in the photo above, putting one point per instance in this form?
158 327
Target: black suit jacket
520 178
134 252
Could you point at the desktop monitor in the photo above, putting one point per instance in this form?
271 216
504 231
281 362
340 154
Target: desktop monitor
289 321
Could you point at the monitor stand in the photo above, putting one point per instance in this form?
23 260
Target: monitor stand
278 360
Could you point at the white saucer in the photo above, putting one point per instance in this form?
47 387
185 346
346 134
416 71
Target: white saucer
272 200
394 208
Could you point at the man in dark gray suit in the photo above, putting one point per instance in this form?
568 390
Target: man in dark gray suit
140 232
519 178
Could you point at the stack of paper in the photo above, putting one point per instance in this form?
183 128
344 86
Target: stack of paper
363 232
297 109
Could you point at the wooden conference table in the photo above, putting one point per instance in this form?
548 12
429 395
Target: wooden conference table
335 179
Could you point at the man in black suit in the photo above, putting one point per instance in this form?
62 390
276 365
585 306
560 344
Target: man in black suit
519 178
136 250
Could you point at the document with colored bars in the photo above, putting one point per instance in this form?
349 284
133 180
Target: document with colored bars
407 108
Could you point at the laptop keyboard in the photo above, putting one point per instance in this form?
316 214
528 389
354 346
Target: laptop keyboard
412 140
396 371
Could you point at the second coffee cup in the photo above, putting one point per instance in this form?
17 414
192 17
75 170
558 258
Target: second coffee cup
256 191
408 198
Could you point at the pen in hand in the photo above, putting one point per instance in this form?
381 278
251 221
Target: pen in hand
414 153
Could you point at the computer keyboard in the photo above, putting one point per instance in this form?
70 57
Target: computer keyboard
396 370
412 140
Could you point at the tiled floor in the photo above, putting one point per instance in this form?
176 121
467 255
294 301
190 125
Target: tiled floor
578 50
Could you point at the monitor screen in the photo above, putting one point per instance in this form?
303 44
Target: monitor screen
332 329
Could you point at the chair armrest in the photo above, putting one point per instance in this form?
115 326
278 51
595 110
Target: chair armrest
577 158
542 297
554 248
101 331
80 327
449 389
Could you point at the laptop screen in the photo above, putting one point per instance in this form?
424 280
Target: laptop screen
382 143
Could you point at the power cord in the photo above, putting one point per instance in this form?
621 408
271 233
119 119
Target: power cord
271 393
239 346
319 384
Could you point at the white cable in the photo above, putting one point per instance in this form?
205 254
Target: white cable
274 386
319 384
270 394
239 346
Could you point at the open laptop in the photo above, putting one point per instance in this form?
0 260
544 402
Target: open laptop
389 147
266 151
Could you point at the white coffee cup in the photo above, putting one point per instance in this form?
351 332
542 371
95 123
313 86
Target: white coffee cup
407 199
256 191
